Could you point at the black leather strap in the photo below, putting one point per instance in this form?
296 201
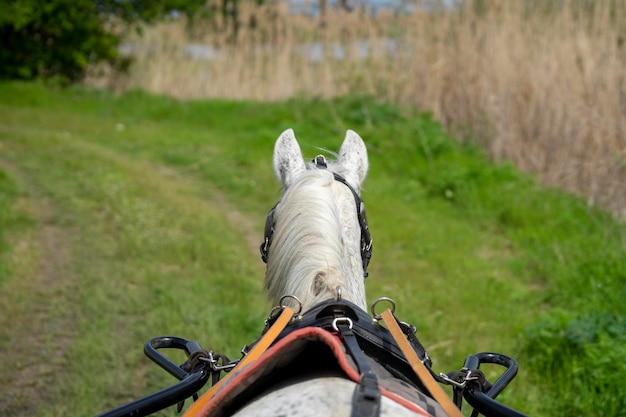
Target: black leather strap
366 398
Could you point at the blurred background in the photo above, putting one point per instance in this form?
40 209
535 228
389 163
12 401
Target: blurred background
537 82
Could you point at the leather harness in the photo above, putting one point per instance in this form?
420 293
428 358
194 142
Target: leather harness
396 348
363 339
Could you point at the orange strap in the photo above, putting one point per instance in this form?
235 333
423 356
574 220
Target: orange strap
261 346
418 367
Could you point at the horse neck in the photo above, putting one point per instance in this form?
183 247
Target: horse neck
316 243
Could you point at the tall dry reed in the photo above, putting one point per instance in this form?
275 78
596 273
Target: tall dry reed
540 83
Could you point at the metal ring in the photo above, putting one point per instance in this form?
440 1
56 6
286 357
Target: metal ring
341 319
294 298
273 313
379 300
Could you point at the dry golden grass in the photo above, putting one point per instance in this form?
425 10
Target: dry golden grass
539 84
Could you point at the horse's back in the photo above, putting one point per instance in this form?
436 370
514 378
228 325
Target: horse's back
325 396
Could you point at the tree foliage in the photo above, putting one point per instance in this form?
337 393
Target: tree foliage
59 38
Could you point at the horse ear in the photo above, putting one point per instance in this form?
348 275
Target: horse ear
288 161
353 159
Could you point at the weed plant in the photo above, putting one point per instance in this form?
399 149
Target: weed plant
539 83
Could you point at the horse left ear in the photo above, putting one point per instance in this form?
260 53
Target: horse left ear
353 159
288 162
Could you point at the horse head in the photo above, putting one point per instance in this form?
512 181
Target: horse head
317 244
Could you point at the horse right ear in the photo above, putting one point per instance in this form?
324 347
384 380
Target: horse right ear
353 160
288 161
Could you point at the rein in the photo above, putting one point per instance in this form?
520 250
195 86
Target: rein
366 238
418 366
263 343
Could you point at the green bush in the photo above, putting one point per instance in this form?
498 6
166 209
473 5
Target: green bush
59 38
53 39
585 354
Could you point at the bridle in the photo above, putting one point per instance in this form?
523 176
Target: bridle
366 238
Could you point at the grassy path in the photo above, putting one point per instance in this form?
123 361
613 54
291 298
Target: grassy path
93 239
36 329
125 218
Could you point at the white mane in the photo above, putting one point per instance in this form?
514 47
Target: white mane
316 241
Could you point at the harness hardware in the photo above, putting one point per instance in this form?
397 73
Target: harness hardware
214 363
342 320
378 317
461 379
339 292
282 304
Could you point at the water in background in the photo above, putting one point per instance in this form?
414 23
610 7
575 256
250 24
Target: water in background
312 7
315 51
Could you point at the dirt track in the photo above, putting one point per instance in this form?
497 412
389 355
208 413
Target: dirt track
35 330
38 321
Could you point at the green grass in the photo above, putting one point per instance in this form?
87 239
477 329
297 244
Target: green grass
124 218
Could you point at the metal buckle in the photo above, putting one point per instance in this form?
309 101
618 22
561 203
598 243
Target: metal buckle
341 320
468 377
320 162
214 363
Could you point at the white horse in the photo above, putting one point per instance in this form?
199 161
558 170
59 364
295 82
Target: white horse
316 242
314 249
